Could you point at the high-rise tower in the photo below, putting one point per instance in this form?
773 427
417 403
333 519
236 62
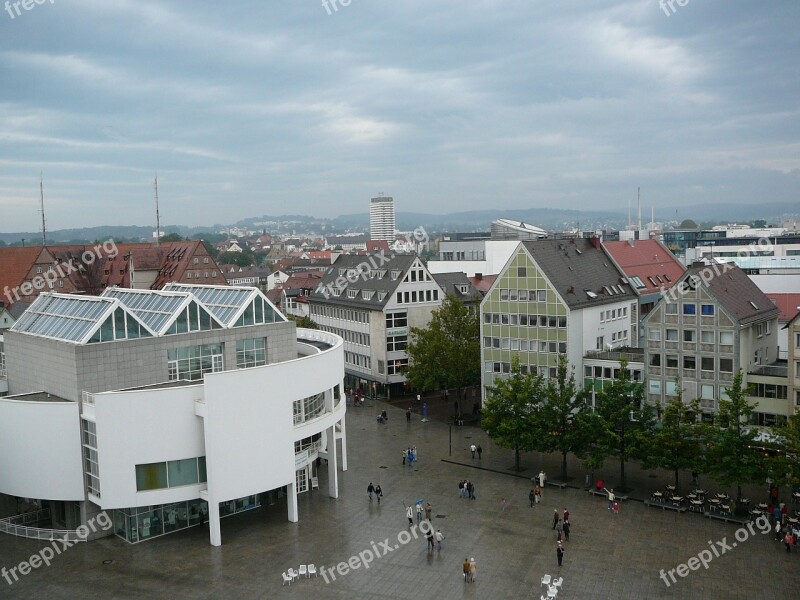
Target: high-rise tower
381 218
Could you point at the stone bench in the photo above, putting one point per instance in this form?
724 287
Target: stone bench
665 506
602 494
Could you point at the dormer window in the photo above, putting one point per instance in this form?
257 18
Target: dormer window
395 274
367 294
352 293
464 289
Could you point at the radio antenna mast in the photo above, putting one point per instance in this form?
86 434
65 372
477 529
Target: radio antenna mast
41 208
158 216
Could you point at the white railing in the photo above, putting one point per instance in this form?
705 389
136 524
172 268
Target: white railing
17 525
87 398
2 373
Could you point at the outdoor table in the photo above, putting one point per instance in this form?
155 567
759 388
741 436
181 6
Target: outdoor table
700 492
722 496
691 496
762 506
670 488
695 504
677 500
715 502
658 496
793 521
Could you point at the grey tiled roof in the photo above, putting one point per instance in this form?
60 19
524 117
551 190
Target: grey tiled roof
736 292
574 266
449 282
346 263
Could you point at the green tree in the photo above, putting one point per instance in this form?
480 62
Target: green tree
560 415
172 237
676 441
758 223
731 456
624 418
446 354
687 224
510 413
306 322
788 460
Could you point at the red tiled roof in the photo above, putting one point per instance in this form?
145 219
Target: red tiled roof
788 303
648 260
377 245
15 264
484 283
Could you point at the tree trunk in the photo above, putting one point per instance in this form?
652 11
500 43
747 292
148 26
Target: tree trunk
563 467
622 472
676 480
516 459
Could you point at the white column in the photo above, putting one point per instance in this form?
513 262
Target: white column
344 445
291 501
333 471
213 523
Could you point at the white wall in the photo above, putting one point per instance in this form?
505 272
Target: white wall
141 427
777 284
41 450
497 255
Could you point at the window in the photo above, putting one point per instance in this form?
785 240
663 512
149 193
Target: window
562 322
523 295
707 310
690 362
205 260
654 386
175 473
522 271
760 330
707 363
654 335
689 335
672 308
503 294
672 335
152 476
487 342
672 388
504 344
726 338
513 319
398 343
600 343
504 319
251 353
690 309
193 362
394 320
707 337
655 360
541 296
726 365
396 366
512 295
706 392
672 361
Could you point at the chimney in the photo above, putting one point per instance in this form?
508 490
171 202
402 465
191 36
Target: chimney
479 276
595 241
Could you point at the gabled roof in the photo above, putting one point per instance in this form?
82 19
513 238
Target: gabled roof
232 306
166 312
360 268
15 263
453 283
735 291
580 271
789 305
483 283
649 266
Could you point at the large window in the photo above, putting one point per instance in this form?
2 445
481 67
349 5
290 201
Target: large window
194 361
672 361
707 363
689 335
690 309
396 343
707 336
655 360
396 366
672 335
251 353
672 308
726 365
654 386
707 310
398 319
654 335
90 457
175 473
689 362
726 338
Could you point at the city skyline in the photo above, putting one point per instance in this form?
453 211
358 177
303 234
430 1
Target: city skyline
246 110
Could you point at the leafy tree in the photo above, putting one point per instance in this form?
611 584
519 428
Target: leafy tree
731 456
172 237
788 461
624 418
758 223
676 441
560 415
509 414
687 224
306 322
446 354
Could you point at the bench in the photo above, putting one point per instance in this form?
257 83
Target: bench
665 506
728 518
557 484
602 494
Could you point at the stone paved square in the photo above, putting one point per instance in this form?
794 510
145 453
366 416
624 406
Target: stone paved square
607 556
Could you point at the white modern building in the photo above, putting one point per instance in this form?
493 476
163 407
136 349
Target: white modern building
381 218
167 408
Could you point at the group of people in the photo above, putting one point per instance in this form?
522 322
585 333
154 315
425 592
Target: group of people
374 490
410 455
433 537
561 525
466 489
535 495
470 570
476 450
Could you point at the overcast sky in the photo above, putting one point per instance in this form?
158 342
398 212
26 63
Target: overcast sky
248 108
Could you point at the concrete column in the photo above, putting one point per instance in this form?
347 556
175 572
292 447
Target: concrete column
291 501
333 471
214 530
344 445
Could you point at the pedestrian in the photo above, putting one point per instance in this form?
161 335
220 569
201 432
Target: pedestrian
556 518
405 455
473 448
480 450
559 530
566 515
439 539
559 553
462 488
414 452
410 515
370 490
466 570
532 498
418 398
616 508
778 535
429 536
473 569
788 540
419 512
471 489
542 478
378 492
503 504
428 511
695 477
538 491
408 415
611 497
566 531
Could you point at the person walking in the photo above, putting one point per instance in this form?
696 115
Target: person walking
556 518
405 456
419 512
788 540
466 570
559 530
566 515
532 498
410 515
429 536
408 415
559 553
542 478
480 450
566 531
471 489
473 448
378 492
538 491
428 511
611 497
462 488
473 569
439 539
370 490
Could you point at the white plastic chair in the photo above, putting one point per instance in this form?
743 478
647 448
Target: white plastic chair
312 570
286 579
552 592
303 570
293 574
546 580
557 582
